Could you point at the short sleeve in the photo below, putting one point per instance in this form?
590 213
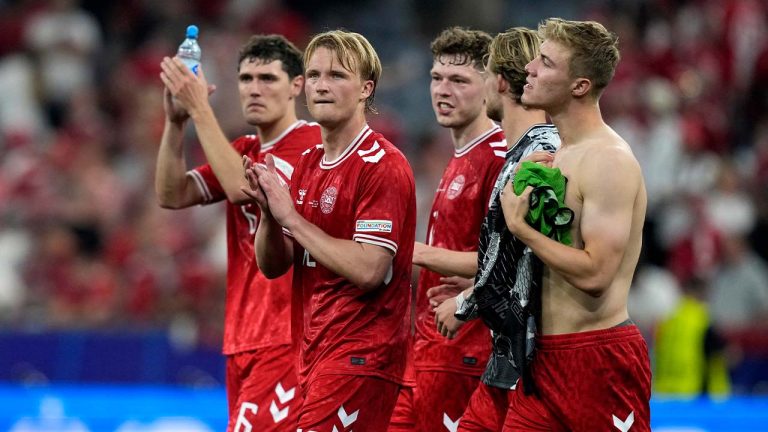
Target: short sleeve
382 205
207 183
205 179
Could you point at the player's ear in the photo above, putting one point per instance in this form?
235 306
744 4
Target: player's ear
581 87
502 85
367 90
297 84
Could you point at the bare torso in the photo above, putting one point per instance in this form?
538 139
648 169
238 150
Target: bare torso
567 309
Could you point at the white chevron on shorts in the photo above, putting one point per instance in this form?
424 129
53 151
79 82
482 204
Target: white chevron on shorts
347 420
449 424
284 395
278 415
625 425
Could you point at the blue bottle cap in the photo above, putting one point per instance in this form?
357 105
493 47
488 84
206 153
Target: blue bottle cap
192 32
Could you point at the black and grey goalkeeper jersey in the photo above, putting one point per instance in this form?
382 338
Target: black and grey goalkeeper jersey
506 272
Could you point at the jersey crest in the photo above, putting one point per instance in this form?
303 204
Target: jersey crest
456 186
328 199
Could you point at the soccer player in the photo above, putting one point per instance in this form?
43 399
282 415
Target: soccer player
448 371
348 226
261 372
534 140
591 365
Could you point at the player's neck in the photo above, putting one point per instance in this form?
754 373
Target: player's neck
517 120
466 134
337 138
269 132
577 121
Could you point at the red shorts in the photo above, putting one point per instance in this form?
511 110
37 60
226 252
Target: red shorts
262 390
440 399
403 418
346 403
486 410
590 381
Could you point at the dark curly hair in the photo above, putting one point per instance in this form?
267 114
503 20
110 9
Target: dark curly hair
272 47
469 47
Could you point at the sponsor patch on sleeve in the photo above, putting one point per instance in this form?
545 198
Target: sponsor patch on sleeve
383 226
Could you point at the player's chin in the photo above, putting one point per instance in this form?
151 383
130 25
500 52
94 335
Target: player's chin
446 121
322 112
256 119
528 99
326 120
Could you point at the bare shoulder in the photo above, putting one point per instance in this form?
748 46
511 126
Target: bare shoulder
610 161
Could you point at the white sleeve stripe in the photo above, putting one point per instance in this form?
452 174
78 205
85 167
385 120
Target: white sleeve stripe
500 153
498 144
375 238
201 185
376 242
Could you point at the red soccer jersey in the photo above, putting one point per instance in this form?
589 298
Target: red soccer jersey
257 312
461 202
366 195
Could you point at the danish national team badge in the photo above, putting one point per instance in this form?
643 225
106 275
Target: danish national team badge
454 189
328 199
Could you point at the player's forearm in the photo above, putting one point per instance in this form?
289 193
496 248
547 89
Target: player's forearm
172 187
447 262
364 267
226 163
274 251
576 266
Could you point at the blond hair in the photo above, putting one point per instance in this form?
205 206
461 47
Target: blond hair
594 50
508 54
355 54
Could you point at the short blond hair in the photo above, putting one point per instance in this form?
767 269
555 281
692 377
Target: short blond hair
508 54
594 49
355 54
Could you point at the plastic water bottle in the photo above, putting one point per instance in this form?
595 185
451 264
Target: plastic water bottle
189 51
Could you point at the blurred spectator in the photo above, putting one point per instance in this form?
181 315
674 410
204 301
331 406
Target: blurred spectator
655 294
64 40
689 357
695 249
728 206
739 296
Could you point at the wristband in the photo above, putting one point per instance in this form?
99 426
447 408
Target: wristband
459 300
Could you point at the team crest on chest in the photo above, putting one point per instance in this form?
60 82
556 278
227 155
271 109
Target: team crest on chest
328 199
456 186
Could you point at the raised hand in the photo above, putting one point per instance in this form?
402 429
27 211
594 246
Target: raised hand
515 207
174 112
185 91
276 191
254 190
541 157
450 286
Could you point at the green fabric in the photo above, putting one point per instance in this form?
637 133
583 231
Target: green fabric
548 213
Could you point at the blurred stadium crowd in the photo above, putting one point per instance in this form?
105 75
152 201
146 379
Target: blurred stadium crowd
84 245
